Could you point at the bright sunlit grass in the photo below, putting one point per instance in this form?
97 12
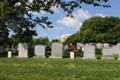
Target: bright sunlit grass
58 69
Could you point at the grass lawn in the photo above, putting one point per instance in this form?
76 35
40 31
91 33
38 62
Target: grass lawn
58 69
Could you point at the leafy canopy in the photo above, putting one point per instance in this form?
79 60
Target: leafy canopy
16 15
98 30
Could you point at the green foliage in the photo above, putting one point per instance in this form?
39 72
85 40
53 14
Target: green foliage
17 15
3 54
55 40
98 30
3 34
98 53
40 40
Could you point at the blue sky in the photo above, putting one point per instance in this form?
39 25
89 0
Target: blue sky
66 26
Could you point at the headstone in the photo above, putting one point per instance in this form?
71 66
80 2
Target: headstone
116 49
71 55
57 50
39 51
107 53
119 56
9 54
99 45
92 44
82 48
89 52
1 49
79 46
118 43
66 47
22 50
14 49
106 45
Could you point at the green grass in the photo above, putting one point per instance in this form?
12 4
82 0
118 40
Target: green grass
58 69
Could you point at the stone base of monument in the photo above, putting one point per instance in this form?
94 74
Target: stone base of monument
109 57
89 58
39 56
22 57
55 57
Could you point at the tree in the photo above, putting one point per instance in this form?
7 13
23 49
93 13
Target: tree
3 34
40 40
55 40
16 15
98 30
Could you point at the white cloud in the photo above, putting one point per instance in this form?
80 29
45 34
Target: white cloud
70 22
81 14
58 28
55 28
34 13
76 21
54 9
101 15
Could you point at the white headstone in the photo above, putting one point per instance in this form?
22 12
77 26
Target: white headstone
83 49
9 54
119 56
118 43
22 50
71 55
89 52
99 45
106 45
107 53
79 46
116 49
57 50
39 51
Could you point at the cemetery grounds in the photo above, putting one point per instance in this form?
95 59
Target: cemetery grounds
58 69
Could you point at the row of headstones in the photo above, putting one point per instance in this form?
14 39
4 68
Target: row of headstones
57 50
89 52
39 50
107 50
115 48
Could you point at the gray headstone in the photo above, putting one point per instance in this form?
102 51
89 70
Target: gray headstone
79 46
99 45
82 48
89 52
107 53
119 56
118 43
57 50
22 50
1 49
39 51
106 45
116 49
92 44
66 47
